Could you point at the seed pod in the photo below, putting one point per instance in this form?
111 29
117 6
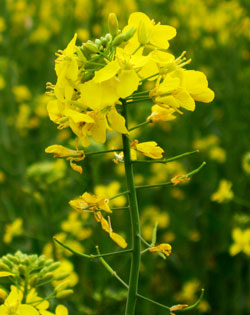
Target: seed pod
64 294
113 24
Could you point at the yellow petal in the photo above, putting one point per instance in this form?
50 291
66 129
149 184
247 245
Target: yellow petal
107 72
118 239
78 117
98 130
61 310
185 100
75 167
161 34
5 274
129 82
24 309
117 121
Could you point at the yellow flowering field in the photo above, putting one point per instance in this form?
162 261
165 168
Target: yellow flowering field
125 157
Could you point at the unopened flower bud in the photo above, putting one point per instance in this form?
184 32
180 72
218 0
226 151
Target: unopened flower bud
61 276
119 39
62 286
113 24
91 47
48 276
6 261
64 294
4 267
34 280
22 269
53 266
129 33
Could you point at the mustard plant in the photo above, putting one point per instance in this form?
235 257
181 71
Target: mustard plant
98 82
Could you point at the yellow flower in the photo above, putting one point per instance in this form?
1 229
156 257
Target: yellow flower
241 240
179 179
90 202
148 32
218 154
22 93
181 88
66 63
74 226
163 248
149 149
71 155
111 190
224 192
39 303
161 114
12 305
12 230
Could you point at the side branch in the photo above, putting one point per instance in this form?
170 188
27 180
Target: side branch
174 158
170 183
91 256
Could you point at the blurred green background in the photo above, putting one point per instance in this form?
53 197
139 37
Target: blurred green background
210 236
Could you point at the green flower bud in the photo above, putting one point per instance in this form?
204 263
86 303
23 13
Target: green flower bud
22 269
53 266
113 24
61 276
6 261
48 276
129 33
34 280
119 39
61 286
91 47
13 259
48 262
64 294
4 267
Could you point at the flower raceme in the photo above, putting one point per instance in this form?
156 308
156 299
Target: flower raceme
94 77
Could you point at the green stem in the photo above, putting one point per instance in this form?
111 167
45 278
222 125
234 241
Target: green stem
140 125
120 194
114 273
135 224
125 251
174 158
101 152
138 100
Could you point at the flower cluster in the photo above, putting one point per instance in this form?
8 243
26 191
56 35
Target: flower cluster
93 78
29 273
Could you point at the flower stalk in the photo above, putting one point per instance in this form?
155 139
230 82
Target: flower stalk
135 223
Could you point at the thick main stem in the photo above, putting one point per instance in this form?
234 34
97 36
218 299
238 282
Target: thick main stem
135 224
